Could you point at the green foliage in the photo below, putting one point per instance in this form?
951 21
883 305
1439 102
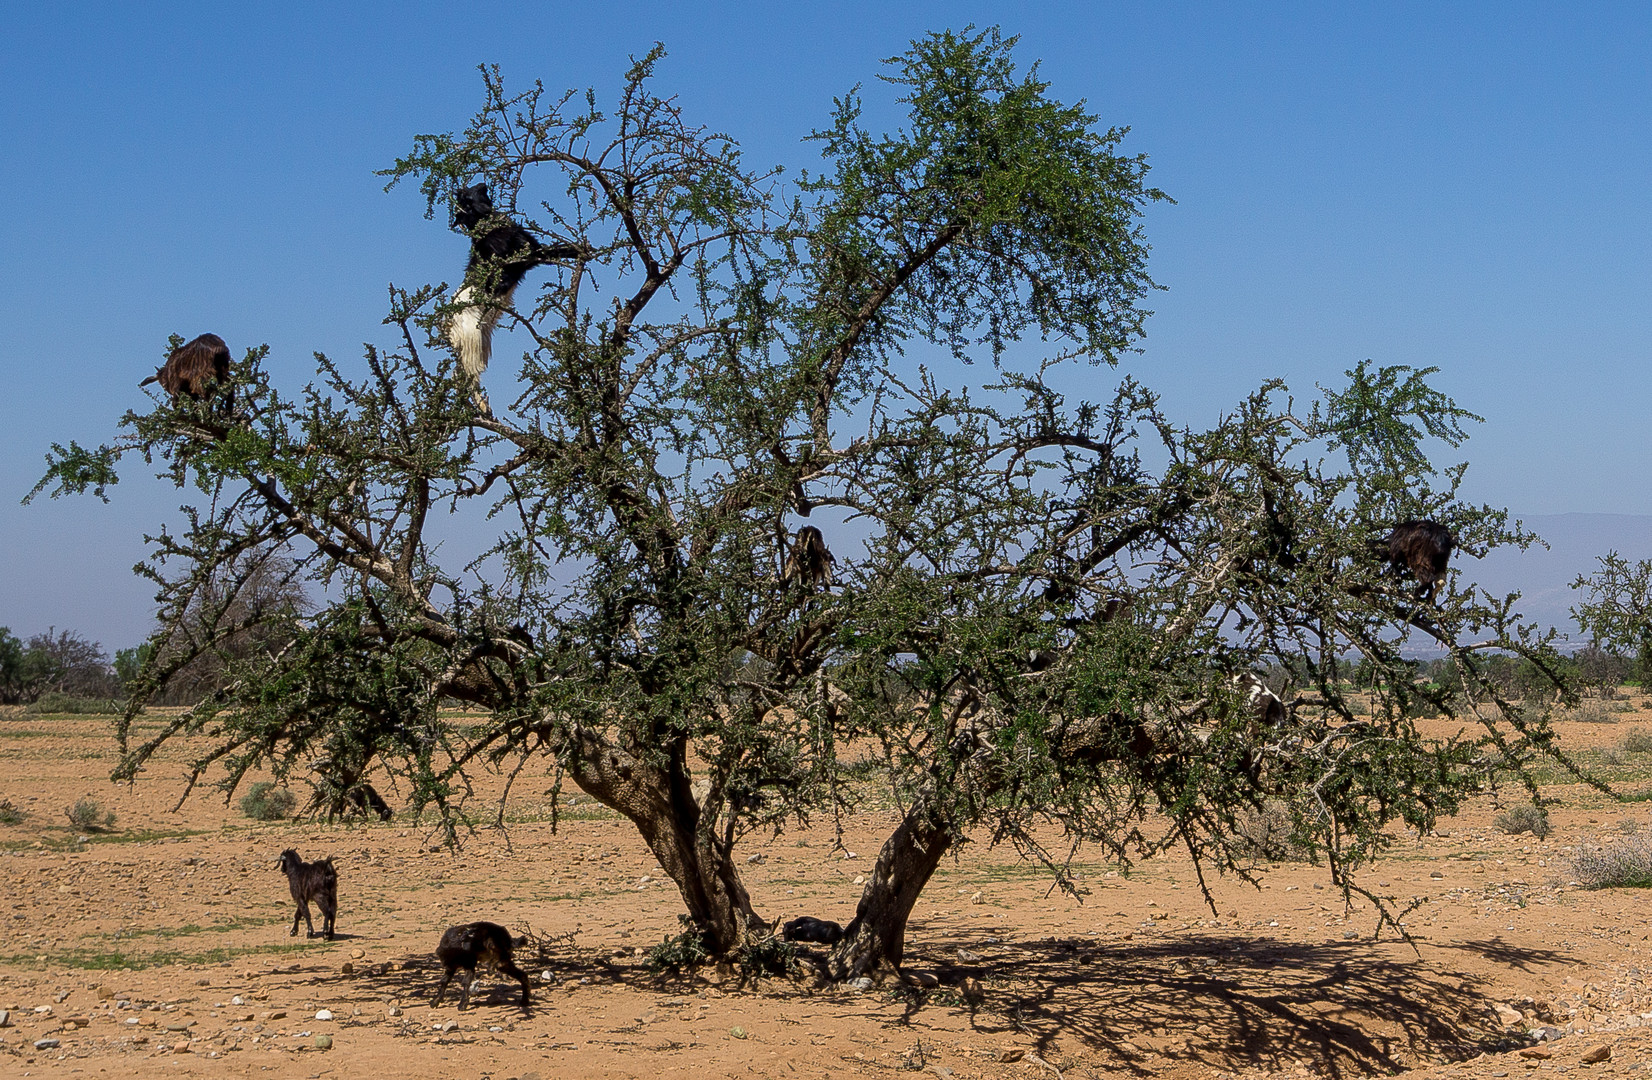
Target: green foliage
9 814
1623 864
57 702
1524 819
88 814
268 801
681 954
766 955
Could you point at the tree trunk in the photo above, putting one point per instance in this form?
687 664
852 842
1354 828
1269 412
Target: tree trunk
876 940
661 804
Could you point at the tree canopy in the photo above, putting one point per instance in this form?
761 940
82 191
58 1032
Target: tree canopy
792 496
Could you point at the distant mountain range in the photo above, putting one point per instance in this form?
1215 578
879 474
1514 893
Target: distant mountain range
1544 578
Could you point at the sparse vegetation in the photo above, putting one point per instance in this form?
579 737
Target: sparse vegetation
1626 864
9 814
268 801
1270 835
769 955
1524 819
59 702
681 954
88 813
1637 741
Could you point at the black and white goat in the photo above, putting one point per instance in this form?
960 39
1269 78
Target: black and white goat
501 254
317 881
1422 547
468 944
192 367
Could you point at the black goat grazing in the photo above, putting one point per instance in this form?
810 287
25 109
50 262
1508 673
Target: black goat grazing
469 944
309 881
817 931
1422 547
192 366
364 799
501 254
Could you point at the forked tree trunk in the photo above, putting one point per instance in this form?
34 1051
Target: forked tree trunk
661 804
876 940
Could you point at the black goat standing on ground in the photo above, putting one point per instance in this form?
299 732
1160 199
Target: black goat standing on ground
192 366
1420 546
317 881
468 944
501 254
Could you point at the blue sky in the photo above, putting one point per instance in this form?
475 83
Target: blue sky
1468 188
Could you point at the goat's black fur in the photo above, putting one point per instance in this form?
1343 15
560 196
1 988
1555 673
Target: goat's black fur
364 799
501 254
192 367
808 559
468 944
1420 546
817 931
317 881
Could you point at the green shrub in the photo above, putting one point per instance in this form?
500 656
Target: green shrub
681 954
1637 741
771 955
55 702
1590 712
1524 819
267 801
1625 864
88 813
9 814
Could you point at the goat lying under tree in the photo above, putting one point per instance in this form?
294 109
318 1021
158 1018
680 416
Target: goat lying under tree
468 944
317 881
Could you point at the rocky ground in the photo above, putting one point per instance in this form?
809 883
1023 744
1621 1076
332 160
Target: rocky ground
162 944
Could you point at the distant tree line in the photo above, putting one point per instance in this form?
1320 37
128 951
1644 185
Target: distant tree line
60 662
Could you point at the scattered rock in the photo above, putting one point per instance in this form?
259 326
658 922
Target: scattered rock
395 1010
181 1046
177 1027
324 1014
323 1042
925 979
46 1044
276 1014
862 983
237 1000
104 993
967 957
1350 935
347 968
737 1032
1508 1015
754 859
1436 875
356 954
1546 1033
5 1018
1010 1057
1597 1054
1541 1053
973 990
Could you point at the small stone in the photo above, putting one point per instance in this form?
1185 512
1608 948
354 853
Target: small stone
43 1010
1010 1057
1508 1014
46 1044
356 954
276 1014
1539 1052
752 860
181 1046
737 1032
973 991
324 1014
862 983
104 993
1350 935
1436 875
975 897
1597 1054
177 1027
5 1018
448 1025
237 1000
323 1042
860 879
347 968
925 979
967 957
395 1010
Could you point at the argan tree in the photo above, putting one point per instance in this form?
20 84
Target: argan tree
787 473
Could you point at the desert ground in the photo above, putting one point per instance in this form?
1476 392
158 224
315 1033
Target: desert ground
160 946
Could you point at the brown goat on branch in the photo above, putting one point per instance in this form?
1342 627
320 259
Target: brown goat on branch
192 367
1420 546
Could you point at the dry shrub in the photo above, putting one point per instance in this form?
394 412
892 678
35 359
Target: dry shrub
88 813
1626 864
1590 712
1267 834
1524 819
266 801
1637 741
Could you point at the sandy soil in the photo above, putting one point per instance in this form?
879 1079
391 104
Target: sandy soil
162 945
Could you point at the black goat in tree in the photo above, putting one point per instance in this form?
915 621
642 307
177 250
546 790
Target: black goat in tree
1423 547
192 368
501 254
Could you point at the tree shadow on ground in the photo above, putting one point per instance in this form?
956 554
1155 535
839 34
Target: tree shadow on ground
1229 1002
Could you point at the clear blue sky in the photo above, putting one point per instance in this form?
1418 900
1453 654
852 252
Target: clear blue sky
1467 186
